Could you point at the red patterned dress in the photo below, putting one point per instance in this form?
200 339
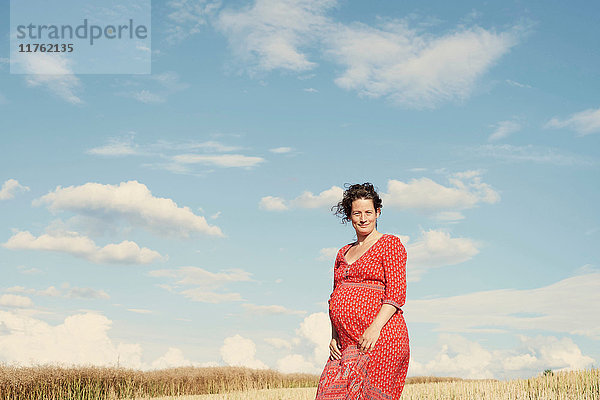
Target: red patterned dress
359 289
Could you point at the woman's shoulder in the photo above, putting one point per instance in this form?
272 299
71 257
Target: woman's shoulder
394 240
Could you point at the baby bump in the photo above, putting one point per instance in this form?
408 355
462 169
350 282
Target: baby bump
353 307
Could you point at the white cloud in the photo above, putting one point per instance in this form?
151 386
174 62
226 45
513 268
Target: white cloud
31 341
403 238
551 352
295 363
221 160
86 293
323 199
200 276
11 187
125 145
169 158
542 155
240 351
131 200
548 308
311 345
154 88
29 270
14 300
458 356
205 283
583 122
273 309
587 269
272 203
126 252
187 17
437 249
279 343
147 97
280 150
424 195
52 71
504 129
174 357
50 291
206 296
81 339
413 69
116 147
328 253
449 216
169 80
54 292
269 34
307 199
210 145
140 310
517 84
65 291
466 191
316 330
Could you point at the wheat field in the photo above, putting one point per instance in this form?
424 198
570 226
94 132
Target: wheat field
51 382
575 385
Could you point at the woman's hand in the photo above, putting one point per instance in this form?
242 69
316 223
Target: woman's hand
334 349
367 340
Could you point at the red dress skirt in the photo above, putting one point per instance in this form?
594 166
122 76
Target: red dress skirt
359 290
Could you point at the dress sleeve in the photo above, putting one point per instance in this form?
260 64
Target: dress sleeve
394 267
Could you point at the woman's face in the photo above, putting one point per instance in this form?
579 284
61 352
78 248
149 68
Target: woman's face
363 216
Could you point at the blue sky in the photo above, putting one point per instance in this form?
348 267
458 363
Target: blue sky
183 217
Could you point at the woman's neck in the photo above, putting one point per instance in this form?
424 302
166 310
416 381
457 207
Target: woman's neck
373 235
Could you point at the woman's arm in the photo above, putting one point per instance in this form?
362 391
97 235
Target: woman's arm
334 346
334 333
394 267
383 316
367 340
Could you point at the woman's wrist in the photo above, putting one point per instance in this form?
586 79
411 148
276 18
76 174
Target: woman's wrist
376 325
383 316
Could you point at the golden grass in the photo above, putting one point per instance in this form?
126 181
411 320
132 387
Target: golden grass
50 382
573 385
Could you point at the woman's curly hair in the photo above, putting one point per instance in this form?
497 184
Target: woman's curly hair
353 192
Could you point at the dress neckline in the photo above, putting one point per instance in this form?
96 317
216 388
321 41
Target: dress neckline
363 254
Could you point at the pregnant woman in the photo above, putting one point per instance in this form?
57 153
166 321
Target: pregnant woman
369 349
